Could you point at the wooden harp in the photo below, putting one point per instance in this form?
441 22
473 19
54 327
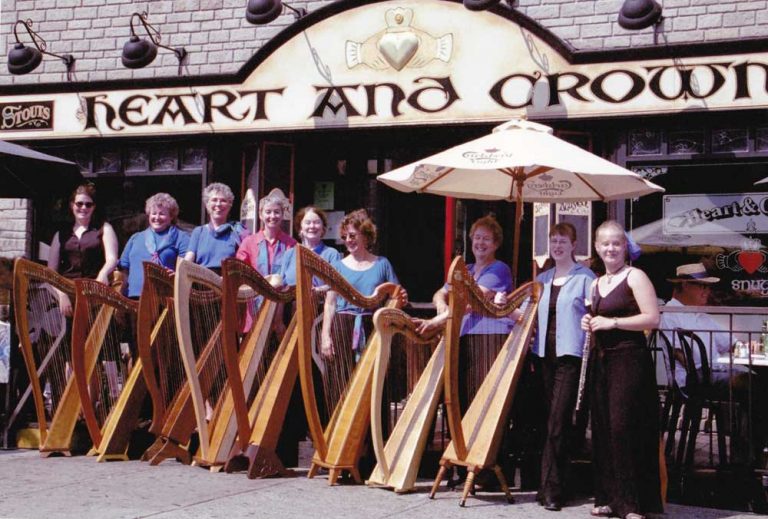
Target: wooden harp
260 379
173 420
106 368
198 299
399 458
476 437
338 444
44 337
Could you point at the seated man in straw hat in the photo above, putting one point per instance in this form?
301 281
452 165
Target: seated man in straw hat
692 286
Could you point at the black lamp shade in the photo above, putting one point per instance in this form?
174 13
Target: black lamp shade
23 59
138 52
479 5
260 12
639 14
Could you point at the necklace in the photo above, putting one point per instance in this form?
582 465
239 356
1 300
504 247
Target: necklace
610 275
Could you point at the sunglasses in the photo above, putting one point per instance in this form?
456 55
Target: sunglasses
87 205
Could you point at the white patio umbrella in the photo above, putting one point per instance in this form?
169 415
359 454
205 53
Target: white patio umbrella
519 161
652 236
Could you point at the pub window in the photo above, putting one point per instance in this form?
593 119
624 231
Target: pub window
165 159
644 142
730 140
683 143
192 159
761 139
136 160
106 161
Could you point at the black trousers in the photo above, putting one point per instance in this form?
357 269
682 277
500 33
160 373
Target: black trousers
561 383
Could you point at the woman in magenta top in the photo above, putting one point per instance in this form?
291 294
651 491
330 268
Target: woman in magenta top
266 249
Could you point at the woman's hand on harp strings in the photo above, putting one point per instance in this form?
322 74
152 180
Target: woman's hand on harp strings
501 299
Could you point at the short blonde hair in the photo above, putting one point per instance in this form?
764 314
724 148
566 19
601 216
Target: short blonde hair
490 223
611 224
162 201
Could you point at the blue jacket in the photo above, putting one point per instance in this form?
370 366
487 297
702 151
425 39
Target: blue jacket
570 310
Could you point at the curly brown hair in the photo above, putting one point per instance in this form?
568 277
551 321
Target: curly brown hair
361 222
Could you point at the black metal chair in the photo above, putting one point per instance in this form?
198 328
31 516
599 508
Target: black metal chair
675 397
700 394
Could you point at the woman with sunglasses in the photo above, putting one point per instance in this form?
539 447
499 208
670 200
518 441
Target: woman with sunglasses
86 247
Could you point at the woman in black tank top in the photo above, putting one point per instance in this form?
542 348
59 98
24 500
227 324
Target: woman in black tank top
85 248
622 385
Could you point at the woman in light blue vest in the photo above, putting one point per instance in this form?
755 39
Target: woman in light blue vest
558 345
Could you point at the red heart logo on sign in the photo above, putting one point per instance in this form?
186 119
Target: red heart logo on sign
750 260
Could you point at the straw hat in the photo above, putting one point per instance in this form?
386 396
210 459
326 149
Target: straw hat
693 272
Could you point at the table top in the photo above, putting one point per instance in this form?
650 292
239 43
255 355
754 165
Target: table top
757 360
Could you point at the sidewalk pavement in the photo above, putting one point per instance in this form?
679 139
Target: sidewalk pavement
79 487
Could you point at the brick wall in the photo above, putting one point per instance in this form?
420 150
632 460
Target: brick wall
15 227
220 40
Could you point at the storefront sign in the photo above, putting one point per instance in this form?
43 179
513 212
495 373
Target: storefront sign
23 115
745 213
324 195
407 62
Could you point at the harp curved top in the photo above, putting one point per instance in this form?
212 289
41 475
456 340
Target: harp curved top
187 274
155 311
388 322
25 270
309 266
465 290
242 282
25 273
256 284
86 339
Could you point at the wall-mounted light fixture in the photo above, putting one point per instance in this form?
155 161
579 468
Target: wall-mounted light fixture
23 59
140 52
479 5
639 14
261 12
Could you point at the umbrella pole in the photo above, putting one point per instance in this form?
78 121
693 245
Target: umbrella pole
516 239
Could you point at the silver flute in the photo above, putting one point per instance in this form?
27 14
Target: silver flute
582 374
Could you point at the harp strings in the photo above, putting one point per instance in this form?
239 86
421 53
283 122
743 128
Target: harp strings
407 360
50 335
116 348
169 366
205 323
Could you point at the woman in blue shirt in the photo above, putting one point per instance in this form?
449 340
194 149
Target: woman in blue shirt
219 238
364 271
161 242
558 347
311 224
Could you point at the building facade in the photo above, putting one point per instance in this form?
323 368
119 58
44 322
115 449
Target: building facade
318 106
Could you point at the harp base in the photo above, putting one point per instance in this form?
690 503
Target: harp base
46 453
92 452
206 464
259 462
469 484
334 471
112 457
165 448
